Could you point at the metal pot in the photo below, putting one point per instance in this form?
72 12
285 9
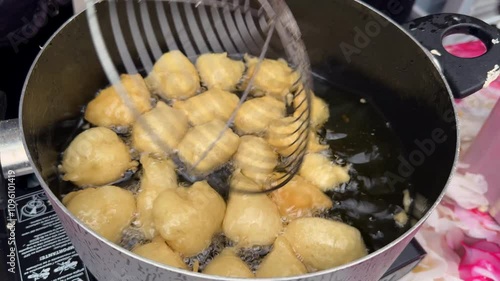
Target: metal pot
356 47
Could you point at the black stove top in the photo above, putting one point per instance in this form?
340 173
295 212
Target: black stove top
36 246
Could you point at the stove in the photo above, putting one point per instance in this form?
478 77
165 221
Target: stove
36 246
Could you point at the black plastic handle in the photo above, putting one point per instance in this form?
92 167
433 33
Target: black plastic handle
465 75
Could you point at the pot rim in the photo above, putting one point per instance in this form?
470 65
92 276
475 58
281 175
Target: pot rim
219 278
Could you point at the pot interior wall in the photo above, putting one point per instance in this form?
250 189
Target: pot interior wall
388 70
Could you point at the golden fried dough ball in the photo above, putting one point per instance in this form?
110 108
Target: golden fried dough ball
322 172
107 210
240 182
219 71
314 145
174 76
324 244
198 140
228 264
209 105
287 136
255 115
188 217
256 158
96 156
158 175
299 198
274 77
281 262
160 252
251 219
159 130
320 112
109 109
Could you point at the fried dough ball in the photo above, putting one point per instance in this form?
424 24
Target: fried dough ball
281 262
228 264
207 106
188 217
314 145
160 252
324 244
108 109
319 170
287 136
274 77
256 158
198 140
159 130
96 156
107 210
158 175
251 219
219 71
320 112
174 76
299 198
255 115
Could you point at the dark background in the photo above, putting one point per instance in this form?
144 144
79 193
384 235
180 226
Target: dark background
17 51
23 31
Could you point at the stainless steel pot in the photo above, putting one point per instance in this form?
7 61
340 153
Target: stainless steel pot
355 47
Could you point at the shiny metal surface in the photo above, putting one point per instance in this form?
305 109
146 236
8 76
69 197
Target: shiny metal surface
13 156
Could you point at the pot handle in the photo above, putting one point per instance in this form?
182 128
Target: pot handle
13 158
465 75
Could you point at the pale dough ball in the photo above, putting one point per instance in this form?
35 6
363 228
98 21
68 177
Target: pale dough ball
320 112
280 262
274 77
159 130
219 71
299 198
323 244
109 109
158 175
240 182
107 210
251 219
288 136
322 172
188 217
174 76
255 115
160 252
199 139
96 156
209 105
228 264
256 158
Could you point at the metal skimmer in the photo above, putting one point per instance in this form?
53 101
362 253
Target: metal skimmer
260 28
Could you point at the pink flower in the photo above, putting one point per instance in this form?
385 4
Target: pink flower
480 262
477 224
467 50
440 263
468 190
